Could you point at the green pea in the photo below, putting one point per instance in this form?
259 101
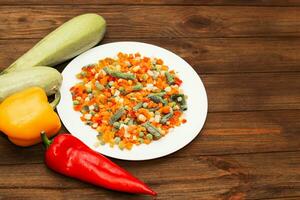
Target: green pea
141 140
144 76
83 73
116 125
149 136
85 108
141 134
121 89
117 140
76 102
89 90
121 146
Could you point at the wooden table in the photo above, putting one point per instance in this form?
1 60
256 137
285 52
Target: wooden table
248 56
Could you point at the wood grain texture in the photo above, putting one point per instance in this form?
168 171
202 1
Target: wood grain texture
93 193
199 176
223 133
253 91
156 21
250 91
158 2
247 54
206 55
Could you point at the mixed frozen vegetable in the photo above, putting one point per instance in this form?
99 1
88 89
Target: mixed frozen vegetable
129 99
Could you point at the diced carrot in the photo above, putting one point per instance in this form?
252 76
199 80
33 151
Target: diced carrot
159 61
166 109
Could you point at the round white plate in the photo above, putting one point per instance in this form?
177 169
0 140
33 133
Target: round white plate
174 140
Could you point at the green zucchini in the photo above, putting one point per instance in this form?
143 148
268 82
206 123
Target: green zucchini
45 77
67 41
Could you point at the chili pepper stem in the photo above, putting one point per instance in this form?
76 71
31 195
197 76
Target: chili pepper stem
45 139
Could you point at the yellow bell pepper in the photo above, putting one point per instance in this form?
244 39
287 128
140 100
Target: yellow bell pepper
24 115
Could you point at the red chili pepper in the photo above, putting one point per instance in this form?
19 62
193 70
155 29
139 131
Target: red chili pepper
67 155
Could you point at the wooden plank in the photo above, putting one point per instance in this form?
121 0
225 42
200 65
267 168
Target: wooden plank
223 133
61 194
206 55
93 193
249 176
157 2
156 21
284 198
252 91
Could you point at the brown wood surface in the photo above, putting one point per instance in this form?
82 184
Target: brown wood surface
247 54
156 21
157 2
206 55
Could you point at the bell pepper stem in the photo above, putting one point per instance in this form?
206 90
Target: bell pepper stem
56 100
45 139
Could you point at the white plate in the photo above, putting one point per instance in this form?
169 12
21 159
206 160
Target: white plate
174 140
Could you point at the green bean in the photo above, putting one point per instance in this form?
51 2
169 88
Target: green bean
182 103
99 86
153 109
137 87
157 99
130 122
161 94
152 130
183 107
118 74
117 116
170 78
166 117
138 106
